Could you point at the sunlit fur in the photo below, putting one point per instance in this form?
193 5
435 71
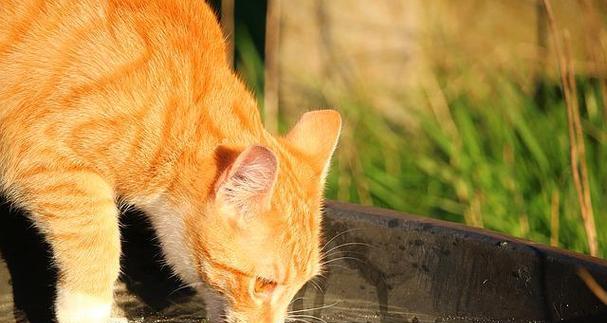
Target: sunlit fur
112 103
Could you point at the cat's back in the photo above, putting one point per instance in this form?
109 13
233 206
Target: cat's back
77 74
56 53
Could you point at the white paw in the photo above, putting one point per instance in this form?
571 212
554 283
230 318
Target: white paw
74 307
118 320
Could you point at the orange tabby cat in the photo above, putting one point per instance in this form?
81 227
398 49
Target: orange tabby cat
106 103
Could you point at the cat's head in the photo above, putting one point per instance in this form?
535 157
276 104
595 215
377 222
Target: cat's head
260 239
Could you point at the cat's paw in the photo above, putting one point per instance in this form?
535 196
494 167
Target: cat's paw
74 307
118 320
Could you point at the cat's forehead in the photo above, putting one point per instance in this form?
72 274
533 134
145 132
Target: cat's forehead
298 171
292 241
299 207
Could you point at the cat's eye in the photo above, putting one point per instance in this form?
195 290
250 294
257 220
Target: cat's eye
263 286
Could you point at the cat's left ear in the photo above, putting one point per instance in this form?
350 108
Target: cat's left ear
247 185
316 135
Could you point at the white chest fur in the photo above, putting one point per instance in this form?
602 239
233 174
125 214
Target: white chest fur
169 226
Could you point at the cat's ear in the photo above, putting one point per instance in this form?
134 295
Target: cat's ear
247 184
316 134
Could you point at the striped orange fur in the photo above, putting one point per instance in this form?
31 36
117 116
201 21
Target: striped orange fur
104 103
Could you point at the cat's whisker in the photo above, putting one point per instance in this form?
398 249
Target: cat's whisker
335 252
314 308
326 257
299 319
326 268
301 316
184 286
318 288
288 319
341 258
339 266
295 300
346 245
337 236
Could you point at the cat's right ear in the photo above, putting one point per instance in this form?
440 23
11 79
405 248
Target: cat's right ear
246 186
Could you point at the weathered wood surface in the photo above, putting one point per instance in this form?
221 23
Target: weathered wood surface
397 269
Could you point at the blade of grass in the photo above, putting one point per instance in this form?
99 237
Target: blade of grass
554 218
593 285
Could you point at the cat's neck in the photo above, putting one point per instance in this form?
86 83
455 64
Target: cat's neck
169 226
198 169
228 116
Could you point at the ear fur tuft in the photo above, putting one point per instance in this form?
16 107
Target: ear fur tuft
248 183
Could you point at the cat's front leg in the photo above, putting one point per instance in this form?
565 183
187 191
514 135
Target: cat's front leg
80 221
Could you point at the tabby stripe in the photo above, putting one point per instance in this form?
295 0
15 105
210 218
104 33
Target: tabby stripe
136 143
174 73
165 136
17 33
66 236
286 162
47 216
174 179
62 206
39 170
22 148
122 71
300 156
66 188
205 122
25 146
104 148
87 129
76 134
239 113
287 272
35 171
110 15
201 82
48 29
72 42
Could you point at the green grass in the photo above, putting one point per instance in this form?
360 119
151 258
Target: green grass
498 161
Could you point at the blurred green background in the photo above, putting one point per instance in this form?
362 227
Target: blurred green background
489 113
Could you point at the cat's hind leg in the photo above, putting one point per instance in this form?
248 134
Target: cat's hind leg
76 211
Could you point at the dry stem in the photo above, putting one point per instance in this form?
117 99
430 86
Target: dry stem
577 148
592 284
271 68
